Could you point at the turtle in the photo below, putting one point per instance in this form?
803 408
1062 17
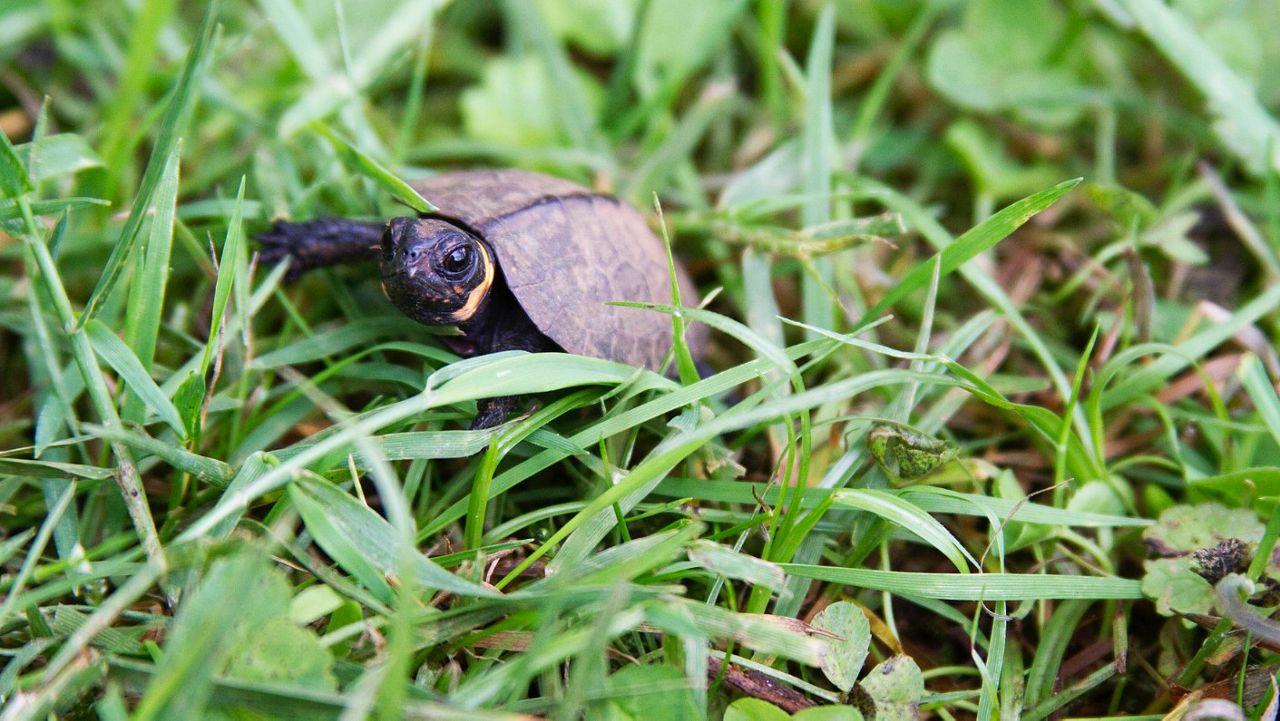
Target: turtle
516 260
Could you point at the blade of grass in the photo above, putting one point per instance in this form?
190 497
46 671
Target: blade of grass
228 262
149 19
654 467
127 478
973 242
1242 123
909 517
50 522
1177 358
122 360
705 388
817 138
146 294
178 114
974 586
357 160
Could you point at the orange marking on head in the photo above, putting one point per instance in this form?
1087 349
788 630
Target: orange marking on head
478 293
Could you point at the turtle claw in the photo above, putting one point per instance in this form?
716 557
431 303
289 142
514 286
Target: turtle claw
280 243
492 412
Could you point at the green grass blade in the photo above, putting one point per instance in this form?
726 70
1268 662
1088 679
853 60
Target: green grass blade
14 179
817 139
974 586
897 510
354 533
228 263
1243 124
123 361
145 26
375 171
146 294
1263 394
181 105
974 241
9 210
1191 350
748 337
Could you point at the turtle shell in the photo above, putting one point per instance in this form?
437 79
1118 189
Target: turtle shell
566 252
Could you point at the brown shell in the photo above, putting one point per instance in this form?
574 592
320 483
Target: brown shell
565 253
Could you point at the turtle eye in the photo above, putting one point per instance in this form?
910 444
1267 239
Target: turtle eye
457 262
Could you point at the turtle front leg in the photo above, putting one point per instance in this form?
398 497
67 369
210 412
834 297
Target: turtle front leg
321 242
501 324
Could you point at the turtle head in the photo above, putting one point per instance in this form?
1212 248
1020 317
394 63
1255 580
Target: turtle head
435 271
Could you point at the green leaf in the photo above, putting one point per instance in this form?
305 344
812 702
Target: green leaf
996 174
205 469
189 400
146 293
314 603
14 180
973 242
894 688
1192 536
1175 588
377 39
511 105
817 140
828 713
233 598
649 693
45 469
1009 55
172 126
121 358
67 620
364 543
599 27
1257 384
9 209
910 518
1242 123
228 262
972 586
1186 528
754 709
725 561
1126 207
1054 639
756 342
390 183
843 662
9 546
58 156
280 651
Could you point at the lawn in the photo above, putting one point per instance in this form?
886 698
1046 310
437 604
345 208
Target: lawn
987 426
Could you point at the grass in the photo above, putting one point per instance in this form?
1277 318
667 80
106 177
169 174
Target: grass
990 409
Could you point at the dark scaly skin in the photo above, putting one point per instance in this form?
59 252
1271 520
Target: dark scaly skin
319 243
498 323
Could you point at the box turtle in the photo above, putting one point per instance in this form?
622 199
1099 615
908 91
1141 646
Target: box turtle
517 261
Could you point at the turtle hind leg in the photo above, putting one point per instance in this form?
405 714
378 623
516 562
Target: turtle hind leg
491 412
321 242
